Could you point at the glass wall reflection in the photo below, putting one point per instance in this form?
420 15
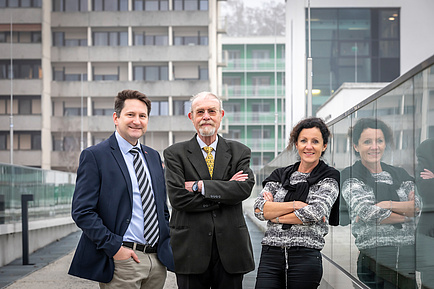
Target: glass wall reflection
385 152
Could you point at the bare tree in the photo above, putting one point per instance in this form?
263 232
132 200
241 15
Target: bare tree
242 20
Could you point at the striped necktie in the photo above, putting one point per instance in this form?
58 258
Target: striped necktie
149 209
209 160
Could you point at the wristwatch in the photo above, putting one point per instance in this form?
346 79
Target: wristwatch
195 187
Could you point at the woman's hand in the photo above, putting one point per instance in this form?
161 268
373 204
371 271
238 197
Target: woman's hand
385 205
239 177
426 174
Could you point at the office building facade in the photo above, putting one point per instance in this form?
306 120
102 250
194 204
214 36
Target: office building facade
254 88
351 41
63 62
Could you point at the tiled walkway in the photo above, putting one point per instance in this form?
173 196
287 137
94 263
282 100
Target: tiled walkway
51 263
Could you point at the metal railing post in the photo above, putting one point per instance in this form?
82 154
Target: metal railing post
25 226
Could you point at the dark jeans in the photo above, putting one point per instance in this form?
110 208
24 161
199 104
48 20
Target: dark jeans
387 267
304 268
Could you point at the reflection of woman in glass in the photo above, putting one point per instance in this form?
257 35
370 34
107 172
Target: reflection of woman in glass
382 206
425 184
297 201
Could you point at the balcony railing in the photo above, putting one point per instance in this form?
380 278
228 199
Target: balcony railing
267 91
255 65
263 118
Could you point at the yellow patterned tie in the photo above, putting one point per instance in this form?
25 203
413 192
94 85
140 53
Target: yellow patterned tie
209 160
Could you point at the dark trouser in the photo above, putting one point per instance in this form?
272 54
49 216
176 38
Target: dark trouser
304 268
387 267
215 277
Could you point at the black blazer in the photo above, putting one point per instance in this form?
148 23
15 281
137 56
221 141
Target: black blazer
102 208
196 219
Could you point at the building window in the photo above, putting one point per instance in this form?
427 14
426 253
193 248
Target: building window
3 140
23 140
233 85
68 74
191 40
20 3
261 54
234 134
74 111
160 108
61 39
151 73
234 59
104 74
354 45
203 73
110 5
104 111
69 5
103 38
181 107
143 39
21 37
260 107
190 5
264 133
25 105
20 69
151 5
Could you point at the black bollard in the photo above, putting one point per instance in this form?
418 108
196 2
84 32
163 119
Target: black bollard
2 209
25 226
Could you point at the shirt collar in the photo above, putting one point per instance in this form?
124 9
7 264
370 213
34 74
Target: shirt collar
125 146
202 144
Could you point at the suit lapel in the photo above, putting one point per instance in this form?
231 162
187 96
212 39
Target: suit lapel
197 160
222 159
116 152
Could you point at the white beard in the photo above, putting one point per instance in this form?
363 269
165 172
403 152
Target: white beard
207 131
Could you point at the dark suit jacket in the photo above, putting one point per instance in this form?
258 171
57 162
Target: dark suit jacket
196 219
102 208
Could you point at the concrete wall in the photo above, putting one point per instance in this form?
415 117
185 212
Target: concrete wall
41 233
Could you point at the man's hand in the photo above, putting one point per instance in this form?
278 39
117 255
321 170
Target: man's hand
268 196
126 253
239 177
189 186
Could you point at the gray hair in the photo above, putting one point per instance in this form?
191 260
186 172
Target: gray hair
204 94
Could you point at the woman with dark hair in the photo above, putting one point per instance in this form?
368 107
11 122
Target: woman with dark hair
297 201
383 210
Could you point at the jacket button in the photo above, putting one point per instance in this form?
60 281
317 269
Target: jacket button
209 234
128 221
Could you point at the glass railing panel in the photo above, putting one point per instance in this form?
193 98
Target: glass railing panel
52 193
340 244
424 160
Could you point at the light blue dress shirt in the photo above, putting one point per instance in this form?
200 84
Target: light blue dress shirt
135 229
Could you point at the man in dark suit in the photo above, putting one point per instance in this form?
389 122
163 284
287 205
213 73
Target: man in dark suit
209 236
115 248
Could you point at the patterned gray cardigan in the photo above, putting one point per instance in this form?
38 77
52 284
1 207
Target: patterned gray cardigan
310 234
366 216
